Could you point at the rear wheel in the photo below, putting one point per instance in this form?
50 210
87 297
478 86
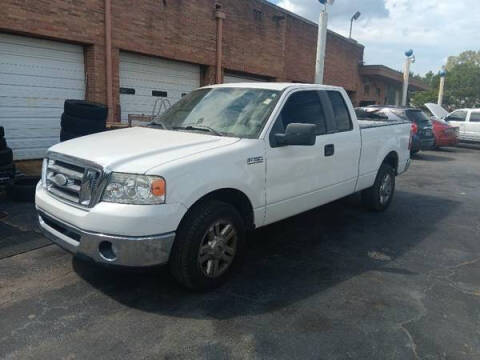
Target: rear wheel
380 195
209 244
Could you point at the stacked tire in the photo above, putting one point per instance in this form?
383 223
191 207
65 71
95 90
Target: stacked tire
82 118
7 167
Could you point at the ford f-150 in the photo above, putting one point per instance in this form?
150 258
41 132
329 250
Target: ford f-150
225 159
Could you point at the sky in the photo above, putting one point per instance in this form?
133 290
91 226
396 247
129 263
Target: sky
434 29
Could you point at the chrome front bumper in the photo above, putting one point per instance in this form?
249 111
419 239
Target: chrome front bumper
108 249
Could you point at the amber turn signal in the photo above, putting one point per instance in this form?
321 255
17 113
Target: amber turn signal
158 187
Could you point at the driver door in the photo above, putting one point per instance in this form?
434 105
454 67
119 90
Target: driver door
300 178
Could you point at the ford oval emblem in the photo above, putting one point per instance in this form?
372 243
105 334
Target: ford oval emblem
60 180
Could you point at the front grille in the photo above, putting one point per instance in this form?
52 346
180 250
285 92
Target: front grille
72 182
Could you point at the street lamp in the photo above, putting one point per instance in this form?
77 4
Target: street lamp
354 17
409 59
442 73
321 41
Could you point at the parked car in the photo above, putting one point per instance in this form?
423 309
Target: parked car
223 160
444 133
422 129
467 121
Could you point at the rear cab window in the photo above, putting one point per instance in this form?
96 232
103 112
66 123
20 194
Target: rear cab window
475 116
343 121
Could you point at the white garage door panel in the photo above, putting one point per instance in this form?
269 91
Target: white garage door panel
41 127
36 76
24 112
145 73
35 92
40 81
49 68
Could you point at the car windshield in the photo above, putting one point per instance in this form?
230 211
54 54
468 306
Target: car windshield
417 116
238 112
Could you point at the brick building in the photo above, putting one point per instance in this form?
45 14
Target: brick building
129 53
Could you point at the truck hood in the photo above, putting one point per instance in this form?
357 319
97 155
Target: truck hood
436 110
136 150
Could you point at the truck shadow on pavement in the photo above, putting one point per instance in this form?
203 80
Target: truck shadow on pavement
440 157
289 261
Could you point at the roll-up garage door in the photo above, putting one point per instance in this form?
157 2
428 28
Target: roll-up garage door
145 80
36 76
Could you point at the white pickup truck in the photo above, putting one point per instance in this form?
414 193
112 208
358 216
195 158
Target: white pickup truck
224 160
467 121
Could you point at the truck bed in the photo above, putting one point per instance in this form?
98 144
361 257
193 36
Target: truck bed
368 123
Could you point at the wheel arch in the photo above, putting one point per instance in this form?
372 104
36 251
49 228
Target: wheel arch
237 198
392 160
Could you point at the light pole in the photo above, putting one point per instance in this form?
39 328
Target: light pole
442 74
354 17
410 59
322 41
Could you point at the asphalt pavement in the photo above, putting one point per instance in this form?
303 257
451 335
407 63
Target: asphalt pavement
337 282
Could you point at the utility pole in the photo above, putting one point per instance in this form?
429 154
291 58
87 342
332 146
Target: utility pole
442 74
322 41
410 59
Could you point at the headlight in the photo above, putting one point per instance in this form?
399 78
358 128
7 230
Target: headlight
135 189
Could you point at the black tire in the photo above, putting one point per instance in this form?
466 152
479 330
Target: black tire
86 110
83 126
65 135
185 256
7 173
2 132
372 197
23 189
6 156
3 143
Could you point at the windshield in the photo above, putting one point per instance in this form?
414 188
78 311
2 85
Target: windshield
239 112
417 116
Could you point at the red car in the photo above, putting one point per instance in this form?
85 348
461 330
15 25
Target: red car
444 133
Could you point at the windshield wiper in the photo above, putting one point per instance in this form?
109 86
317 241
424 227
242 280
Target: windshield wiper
198 127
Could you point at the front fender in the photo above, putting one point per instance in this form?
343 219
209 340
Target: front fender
190 179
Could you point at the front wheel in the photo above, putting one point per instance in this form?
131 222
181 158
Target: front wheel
210 243
380 195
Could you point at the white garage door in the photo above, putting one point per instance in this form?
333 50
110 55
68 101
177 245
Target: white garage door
146 79
36 76
234 78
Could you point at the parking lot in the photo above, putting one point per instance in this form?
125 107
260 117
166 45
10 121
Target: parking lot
335 283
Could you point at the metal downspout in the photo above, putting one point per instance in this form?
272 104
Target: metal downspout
220 16
108 58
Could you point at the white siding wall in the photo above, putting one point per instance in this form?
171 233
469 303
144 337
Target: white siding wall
36 76
146 73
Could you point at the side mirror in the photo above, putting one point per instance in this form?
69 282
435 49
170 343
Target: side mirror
297 134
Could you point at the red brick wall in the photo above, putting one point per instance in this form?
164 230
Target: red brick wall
258 38
342 61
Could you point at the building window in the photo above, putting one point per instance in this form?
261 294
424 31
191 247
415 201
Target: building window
366 89
378 91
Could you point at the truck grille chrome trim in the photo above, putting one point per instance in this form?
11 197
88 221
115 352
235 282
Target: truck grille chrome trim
74 181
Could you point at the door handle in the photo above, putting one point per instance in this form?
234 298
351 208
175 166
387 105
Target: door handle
329 150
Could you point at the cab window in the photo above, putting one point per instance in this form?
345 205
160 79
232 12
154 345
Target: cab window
475 116
340 111
302 107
